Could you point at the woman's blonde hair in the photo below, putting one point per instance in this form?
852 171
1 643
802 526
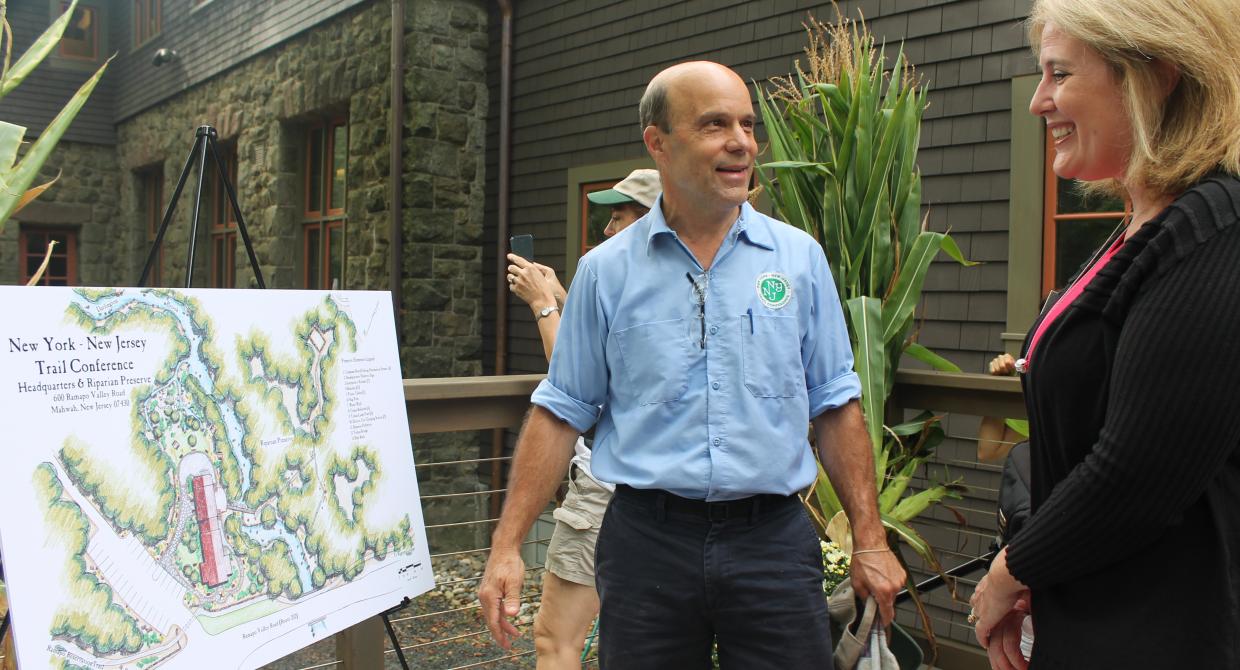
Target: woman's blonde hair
1194 130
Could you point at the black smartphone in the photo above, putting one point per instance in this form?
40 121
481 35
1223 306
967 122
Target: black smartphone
522 245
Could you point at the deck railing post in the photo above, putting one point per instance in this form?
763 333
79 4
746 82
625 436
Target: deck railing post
361 646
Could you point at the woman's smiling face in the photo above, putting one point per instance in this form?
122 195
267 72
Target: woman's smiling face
1081 100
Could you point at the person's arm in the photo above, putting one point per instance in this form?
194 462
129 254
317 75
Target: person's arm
994 438
541 459
566 404
538 287
844 447
842 439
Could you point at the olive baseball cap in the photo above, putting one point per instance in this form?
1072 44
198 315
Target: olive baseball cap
641 187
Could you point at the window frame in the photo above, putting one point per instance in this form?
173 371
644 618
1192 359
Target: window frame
222 229
151 183
70 253
140 7
584 208
320 217
1051 218
578 178
94 28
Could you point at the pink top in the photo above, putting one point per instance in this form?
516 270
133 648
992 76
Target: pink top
1069 296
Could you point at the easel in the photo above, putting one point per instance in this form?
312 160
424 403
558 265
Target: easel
204 145
387 623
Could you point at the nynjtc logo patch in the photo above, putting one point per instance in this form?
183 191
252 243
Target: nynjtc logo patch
774 289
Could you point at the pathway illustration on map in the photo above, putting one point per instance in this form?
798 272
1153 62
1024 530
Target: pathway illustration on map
201 478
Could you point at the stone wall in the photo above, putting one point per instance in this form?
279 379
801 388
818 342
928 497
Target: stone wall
85 199
262 107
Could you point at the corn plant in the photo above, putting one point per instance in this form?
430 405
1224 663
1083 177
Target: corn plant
843 142
16 176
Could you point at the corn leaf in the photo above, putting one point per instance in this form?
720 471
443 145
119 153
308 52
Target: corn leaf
36 53
870 362
912 506
47 258
921 353
35 192
15 179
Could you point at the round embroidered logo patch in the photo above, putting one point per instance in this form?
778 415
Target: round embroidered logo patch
774 289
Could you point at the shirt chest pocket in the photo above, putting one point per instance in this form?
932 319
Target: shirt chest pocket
655 360
771 356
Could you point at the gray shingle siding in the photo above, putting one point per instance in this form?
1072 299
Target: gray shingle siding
579 68
209 39
46 90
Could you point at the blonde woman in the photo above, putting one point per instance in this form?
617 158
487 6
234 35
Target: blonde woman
1132 556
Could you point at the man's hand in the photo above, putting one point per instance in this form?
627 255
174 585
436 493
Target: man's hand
500 594
878 574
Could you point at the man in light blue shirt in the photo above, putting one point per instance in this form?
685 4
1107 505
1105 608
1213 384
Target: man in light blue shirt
709 335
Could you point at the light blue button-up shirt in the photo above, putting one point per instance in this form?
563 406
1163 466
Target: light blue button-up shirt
716 422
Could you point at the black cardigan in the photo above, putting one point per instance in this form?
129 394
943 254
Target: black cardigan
1133 550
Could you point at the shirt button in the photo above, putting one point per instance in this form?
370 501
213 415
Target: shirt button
718 441
715 386
714 329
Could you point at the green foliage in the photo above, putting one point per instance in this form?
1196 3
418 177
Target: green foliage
90 618
17 176
114 496
843 142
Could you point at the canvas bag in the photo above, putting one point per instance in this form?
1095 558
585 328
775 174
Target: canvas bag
861 644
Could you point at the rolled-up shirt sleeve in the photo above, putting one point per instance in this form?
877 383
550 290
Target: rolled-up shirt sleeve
577 378
826 349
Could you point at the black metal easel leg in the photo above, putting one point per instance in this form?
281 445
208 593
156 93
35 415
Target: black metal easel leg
204 147
400 654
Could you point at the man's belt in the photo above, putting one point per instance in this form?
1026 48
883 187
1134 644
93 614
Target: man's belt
664 502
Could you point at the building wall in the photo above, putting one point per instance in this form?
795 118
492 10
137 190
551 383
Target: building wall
209 38
46 90
580 67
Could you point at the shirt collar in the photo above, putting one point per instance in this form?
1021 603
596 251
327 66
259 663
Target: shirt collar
749 226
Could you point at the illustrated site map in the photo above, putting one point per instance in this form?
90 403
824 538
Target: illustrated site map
201 478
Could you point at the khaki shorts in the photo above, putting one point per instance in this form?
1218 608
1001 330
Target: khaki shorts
570 555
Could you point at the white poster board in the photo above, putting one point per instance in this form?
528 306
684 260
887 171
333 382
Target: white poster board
201 478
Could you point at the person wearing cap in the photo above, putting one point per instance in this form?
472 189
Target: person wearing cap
629 200
699 344
569 599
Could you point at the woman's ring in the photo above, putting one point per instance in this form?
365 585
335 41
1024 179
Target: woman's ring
972 616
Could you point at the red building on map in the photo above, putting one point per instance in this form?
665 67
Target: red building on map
214 568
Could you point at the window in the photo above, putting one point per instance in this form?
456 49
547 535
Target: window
222 220
62 268
594 218
326 169
585 222
151 183
1073 226
81 37
146 20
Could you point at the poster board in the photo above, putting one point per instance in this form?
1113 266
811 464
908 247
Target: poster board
201 478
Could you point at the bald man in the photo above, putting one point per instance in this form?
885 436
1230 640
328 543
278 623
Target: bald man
699 343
